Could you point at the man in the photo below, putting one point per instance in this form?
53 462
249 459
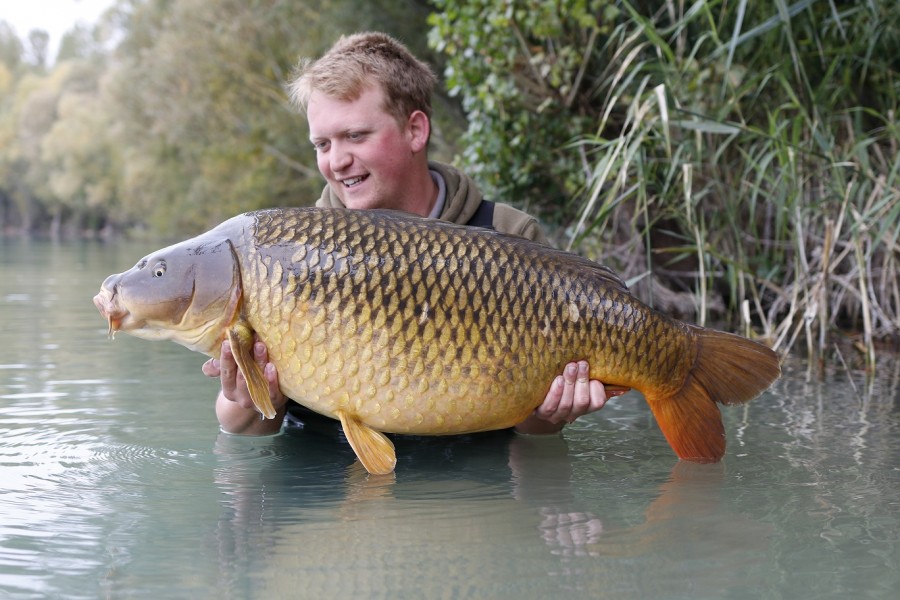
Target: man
368 103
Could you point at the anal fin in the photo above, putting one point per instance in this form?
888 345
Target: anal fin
240 335
373 449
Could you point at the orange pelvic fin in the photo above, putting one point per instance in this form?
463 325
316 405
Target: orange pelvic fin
728 369
373 449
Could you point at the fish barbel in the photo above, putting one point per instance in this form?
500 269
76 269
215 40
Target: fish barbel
393 323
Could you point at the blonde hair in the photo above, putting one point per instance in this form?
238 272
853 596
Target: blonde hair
358 61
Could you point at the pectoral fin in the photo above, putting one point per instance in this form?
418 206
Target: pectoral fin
373 449
240 335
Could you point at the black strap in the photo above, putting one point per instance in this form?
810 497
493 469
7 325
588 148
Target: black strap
484 216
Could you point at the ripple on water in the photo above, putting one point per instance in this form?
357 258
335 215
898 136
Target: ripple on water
75 488
64 461
46 518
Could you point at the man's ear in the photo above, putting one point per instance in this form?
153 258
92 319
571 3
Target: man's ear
418 128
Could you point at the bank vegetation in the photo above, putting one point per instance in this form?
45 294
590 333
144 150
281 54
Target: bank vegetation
737 161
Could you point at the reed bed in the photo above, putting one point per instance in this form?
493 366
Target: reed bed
746 169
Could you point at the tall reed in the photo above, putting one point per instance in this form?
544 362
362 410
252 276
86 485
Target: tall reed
746 167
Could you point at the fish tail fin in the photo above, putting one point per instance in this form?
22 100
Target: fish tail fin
728 369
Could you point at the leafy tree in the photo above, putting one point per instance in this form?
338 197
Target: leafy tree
213 135
183 124
38 47
526 73
11 48
29 114
80 42
210 136
79 155
45 118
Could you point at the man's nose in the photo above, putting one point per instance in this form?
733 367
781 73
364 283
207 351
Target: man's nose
339 158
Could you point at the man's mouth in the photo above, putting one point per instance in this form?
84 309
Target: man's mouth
353 181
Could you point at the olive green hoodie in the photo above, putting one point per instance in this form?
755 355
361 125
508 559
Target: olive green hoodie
463 199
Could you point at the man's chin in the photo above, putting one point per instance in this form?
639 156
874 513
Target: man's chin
363 202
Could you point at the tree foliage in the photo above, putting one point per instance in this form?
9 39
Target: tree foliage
526 73
11 48
180 123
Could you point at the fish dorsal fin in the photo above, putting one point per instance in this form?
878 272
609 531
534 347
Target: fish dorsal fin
240 335
611 277
373 449
602 272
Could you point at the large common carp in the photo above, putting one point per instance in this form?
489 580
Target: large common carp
392 323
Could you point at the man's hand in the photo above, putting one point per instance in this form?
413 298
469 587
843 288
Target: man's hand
572 394
234 408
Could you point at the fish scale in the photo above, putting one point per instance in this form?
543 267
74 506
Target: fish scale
399 324
477 325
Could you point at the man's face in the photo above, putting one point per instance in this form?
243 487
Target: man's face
361 150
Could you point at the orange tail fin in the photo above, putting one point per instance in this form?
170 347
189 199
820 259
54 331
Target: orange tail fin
729 369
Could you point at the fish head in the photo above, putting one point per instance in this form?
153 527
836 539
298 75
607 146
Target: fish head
188 293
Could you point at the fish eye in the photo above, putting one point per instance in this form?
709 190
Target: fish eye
159 269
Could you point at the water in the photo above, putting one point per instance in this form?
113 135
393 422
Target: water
116 483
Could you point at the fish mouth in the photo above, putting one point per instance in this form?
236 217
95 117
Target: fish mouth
105 303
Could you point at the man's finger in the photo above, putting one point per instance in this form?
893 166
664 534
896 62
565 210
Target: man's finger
260 354
598 396
581 397
211 368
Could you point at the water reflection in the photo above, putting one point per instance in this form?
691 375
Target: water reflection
458 511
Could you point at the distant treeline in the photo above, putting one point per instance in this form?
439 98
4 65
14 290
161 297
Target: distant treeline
735 160
168 115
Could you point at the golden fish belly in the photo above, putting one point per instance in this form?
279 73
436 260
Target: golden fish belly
419 327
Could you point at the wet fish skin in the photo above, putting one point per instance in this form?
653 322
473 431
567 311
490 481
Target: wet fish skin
399 324
390 311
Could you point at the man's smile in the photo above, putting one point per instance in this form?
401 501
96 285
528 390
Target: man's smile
354 181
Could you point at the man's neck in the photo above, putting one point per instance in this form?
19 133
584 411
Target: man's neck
429 193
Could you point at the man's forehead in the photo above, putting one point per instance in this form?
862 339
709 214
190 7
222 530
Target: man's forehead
371 94
326 113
